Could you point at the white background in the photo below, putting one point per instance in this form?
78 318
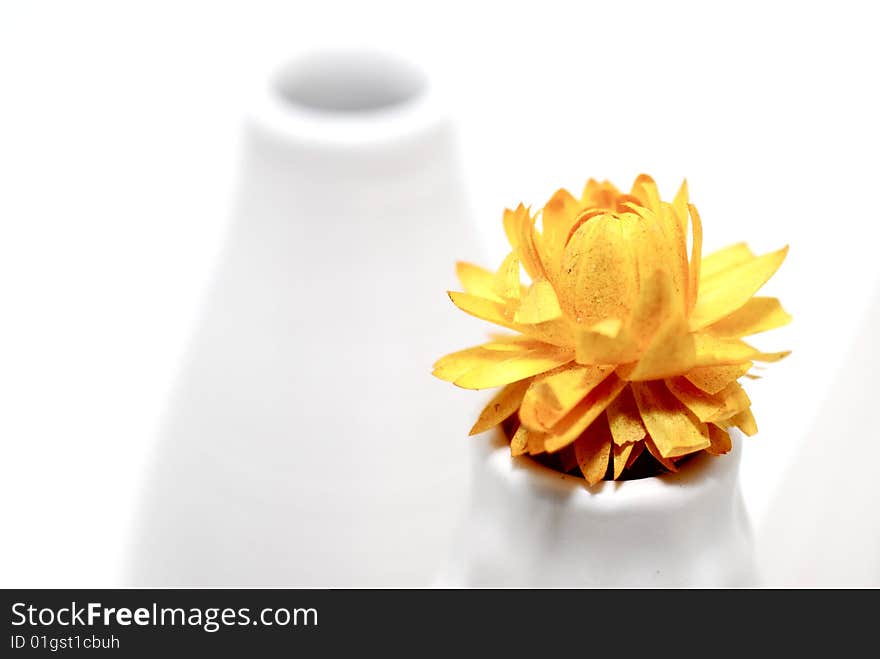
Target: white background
118 141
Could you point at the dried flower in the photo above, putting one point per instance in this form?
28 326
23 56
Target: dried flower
622 342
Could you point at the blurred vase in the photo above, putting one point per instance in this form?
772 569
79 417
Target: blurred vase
306 443
531 526
822 528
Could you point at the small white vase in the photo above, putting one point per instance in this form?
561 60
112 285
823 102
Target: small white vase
306 443
531 526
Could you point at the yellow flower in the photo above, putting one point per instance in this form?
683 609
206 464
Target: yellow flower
623 341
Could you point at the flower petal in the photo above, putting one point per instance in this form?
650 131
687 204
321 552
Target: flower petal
482 308
672 351
493 365
720 439
713 379
593 450
757 315
680 204
554 394
658 326
671 426
598 278
456 364
655 453
624 419
502 405
745 421
505 283
584 413
769 357
710 407
535 441
638 449
519 443
584 217
645 190
555 332
696 262
606 342
730 289
520 228
599 195
655 305
476 280
663 246
557 218
723 259
712 351
620 458
539 305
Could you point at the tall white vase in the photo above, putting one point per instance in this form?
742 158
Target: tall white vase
306 442
823 525
531 526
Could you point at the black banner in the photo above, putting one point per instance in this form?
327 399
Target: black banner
147 622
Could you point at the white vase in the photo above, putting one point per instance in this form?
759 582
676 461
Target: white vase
531 526
306 443
822 528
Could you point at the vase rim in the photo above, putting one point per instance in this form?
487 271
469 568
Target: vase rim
699 474
346 97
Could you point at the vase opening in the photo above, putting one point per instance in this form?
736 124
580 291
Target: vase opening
644 465
350 82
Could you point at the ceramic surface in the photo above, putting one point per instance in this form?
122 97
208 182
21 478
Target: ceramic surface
823 527
301 444
531 526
